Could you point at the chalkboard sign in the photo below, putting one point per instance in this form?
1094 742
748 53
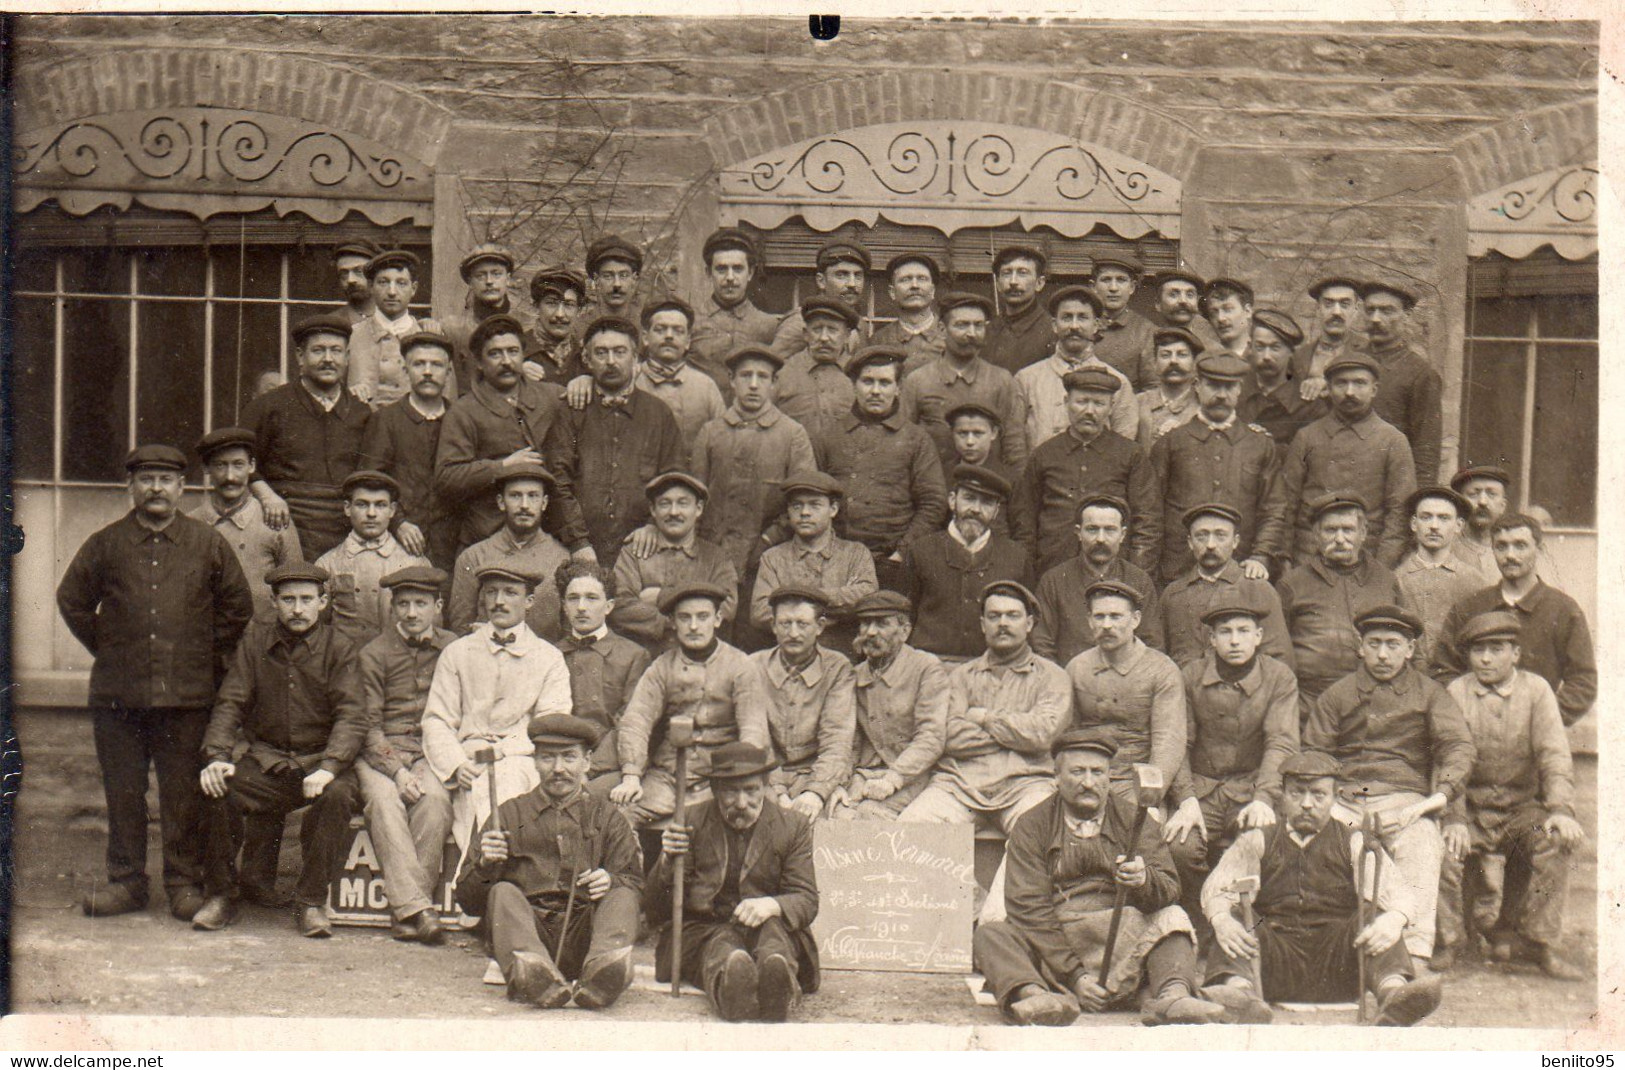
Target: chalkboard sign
894 897
356 894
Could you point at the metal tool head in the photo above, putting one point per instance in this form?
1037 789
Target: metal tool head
1148 785
1245 886
485 755
680 731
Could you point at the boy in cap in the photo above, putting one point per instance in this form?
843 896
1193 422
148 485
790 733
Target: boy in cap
1411 385
725 319
159 600
677 501
408 808
1064 631
551 353
293 694
401 441
1023 334
227 454
559 880
1171 402
1214 576
359 563
963 376
1270 397
377 373
520 545
604 665
814 390
614 265
487 271
842 276
843 571
911 283
1076 313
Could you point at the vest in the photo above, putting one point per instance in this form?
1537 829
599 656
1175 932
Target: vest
1310 884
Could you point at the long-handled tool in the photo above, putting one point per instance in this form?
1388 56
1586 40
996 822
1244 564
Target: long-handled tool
487 756
569 906
1245 888
1148 793
680 733
1369 845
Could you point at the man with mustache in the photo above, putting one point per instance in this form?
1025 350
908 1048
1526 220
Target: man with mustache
1228 306
227 454
519 545
1004 708
842 276
1270 397
159 600
349 265
487 271
814 389
668 370
1171 402
1076 312
1022 334
1125 335
751 895
613 268
1087 458
1306 942
1351 450
912 280
725 319
961 376
401 441
1066 860
1434 576
1411 386
1063 632
1488 490
679 557
356 567
551 352
843 571
975 431
1337 312
945 573
377 372
1214 579
1179 304
557 844
901 697
604 665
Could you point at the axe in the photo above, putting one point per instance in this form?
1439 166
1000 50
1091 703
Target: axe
487 757
1148 790
1245 888
1370 844
680 734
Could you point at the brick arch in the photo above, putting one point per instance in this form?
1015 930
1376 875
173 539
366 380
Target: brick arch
1530 144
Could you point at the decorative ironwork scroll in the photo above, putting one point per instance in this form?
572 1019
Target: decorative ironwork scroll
954 174
1556 208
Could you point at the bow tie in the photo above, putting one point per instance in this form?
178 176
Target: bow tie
503 640
584 640
616 402
421 643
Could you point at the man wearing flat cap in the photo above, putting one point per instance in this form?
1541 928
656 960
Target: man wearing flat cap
519 545
1066 862
1434 576
1004 708
487 271
559 880
911 283
1171 402
902 713
1076 313
1270 397
750 897
350 267
1306 940
1022 333
1179 304
961 376
614 266
377 373
975 431
550 346
159 600
841 570
408 809
1489 491
842 276
1411 385
227 454
725 319
1339 332
357 566
677 501
293 695
1064 628
814 389
1125 334
669 369
944 573
1214 578
1406 754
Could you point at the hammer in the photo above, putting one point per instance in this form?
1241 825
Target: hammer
1245 888
487 757
680 734
1148 789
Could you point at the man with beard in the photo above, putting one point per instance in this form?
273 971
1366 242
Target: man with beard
1087 458
1022 334
350 266
1270 397
551 353
1306 942
401 441
1171 402
1434 577
1063 632
604 665
1004 708
377 373
810 716
159 600
562 874
890 469
842 276
1179 304
486 271
1338 311
726 319
356 567
912 285
1228 306
1555 641
679 557
519 545
946 572
1215 457
308 438
1125 335
227 454
842 571
1322 596
813 388
961 376
1076 311
1213 579
667 371
613 267
1351 451
902 713
750 899
1411 386
1488 488
1066 862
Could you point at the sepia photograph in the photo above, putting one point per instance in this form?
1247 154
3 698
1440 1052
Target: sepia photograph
645 522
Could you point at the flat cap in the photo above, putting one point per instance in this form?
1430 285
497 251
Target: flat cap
359 247
1234 285
1311 765
1075 293
983 480
667 304
1222 367
481 252
557 280
1280 324
1406 297
1010 589
297 572
1496 624
155 455
1352 361
1091 381
427 338
563 729
222 438
1110 501
1395 618
1481 471
416 578
926 259
1332 502
326 323
1178 275
799 592
492 326
369 479
728 238
1113 589
883 604
1168 335
815 482
503 574
836 251
960 299
1127 263
1102 739
744 353
513 473
669 599
613 247
972 408
656 486
1235 605
618 324
831 308
1218 509
1447 493
1016 252
394 258
1320 286
875 356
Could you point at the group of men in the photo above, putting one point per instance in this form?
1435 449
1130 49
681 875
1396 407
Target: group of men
1177 605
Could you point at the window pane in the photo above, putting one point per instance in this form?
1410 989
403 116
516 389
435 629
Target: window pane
260 273
1492 400
237 371
96 271
32 376
96 389
425 293
175 271
169 373
1499 317
311 276
1564 479
36 269
1569 316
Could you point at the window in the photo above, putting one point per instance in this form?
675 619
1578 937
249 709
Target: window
1529 399
150 327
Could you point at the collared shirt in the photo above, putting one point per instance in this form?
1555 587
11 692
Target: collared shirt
922 346
1160 414
844 570
743 460
604 668
1368 457
296 700
360 602
160 611
719 331
1021 706
1432 589
1404 734
935 390
893 478
943 581
540 557
619 448
723 695
902 714
1185 600
1320 603
303 450
1013 342
694 561
258 548
814 393
395 677
1239 732
1523 752
1280 410
1125 343
1043 392
1239 466
1063 470
690 394
401 442
810 718
1064 631
1553 635
1143 699
1409 398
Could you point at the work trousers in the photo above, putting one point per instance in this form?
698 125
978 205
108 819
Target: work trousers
1412 882
322 833
1303 960
939 805
410 839
1195 856
597 931
1514 880
659 800
707 943
1010 961
169 740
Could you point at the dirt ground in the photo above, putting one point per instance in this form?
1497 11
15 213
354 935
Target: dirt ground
148 964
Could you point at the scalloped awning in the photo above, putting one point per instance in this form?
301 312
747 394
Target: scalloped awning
208 161
1556 208
953 174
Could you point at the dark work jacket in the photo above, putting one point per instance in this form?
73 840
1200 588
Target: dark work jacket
944 581
1014 343
596 836
617 452
401 442
305 451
